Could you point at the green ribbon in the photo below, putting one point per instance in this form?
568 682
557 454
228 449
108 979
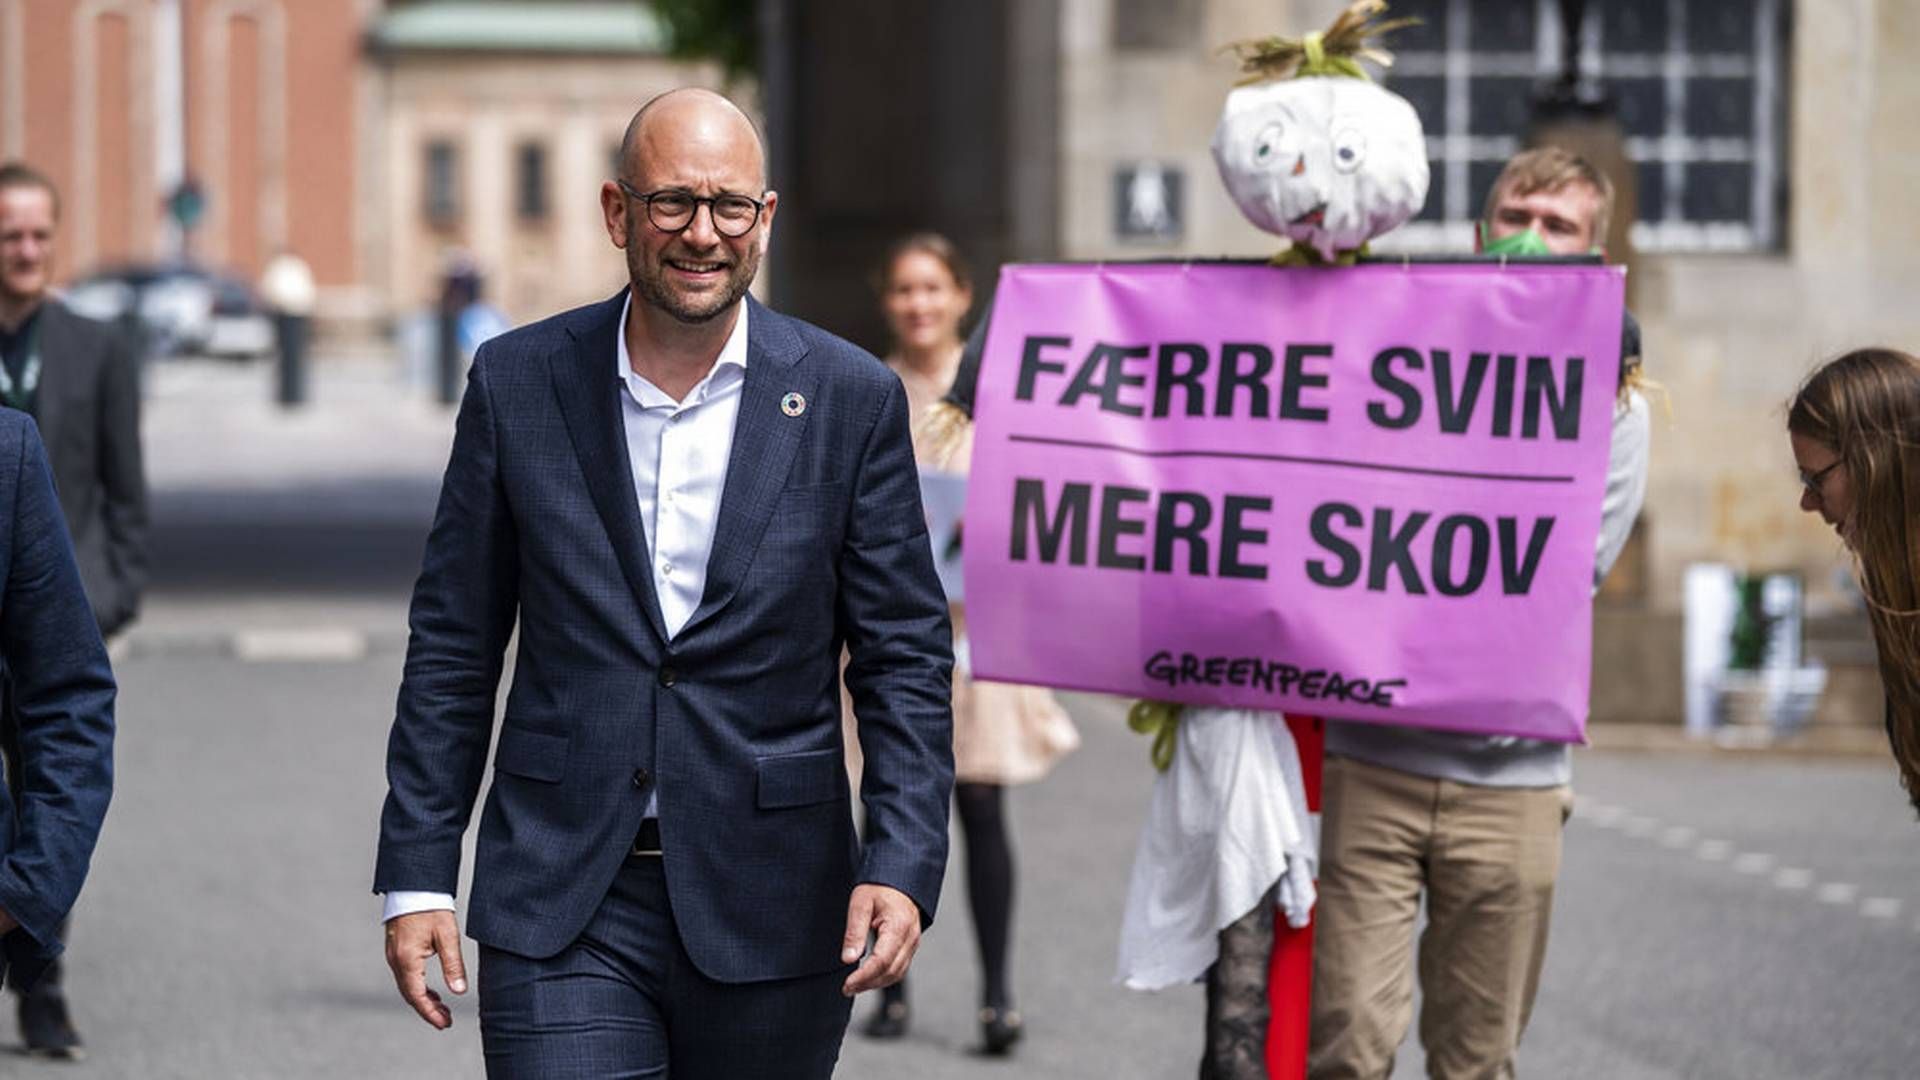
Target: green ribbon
1160 719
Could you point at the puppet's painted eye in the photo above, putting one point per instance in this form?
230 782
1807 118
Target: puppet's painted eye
1349 149
1266 145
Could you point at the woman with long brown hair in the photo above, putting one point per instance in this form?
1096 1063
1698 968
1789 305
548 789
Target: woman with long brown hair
1855 429
1002 734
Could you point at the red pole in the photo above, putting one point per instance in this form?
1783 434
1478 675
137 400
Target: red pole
1290 976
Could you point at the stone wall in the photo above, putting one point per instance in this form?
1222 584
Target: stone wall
1729 337
487 107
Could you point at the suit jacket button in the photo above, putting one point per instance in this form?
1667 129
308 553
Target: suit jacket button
641 778
668 676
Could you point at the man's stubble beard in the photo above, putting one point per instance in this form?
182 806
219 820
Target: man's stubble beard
651 281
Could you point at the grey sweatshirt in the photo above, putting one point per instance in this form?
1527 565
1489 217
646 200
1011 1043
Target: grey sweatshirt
1504 760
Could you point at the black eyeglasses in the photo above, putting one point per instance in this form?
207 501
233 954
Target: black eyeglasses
1814 480
672 211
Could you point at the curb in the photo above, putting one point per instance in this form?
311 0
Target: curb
1848 741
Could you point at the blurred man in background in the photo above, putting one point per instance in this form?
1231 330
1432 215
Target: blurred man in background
78 380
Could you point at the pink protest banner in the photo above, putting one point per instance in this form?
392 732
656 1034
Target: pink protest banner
1368 493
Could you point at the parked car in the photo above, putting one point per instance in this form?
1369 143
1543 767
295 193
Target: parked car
178 309
240 325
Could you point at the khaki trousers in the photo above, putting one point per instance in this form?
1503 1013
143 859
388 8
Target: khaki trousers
1486 858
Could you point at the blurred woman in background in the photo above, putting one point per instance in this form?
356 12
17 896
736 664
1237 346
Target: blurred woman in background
1002 734
1855 429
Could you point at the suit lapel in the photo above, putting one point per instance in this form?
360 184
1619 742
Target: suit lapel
588 389
764 440
58 359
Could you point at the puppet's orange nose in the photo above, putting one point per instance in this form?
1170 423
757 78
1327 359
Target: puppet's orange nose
1300 166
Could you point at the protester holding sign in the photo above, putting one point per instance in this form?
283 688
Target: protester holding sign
1855 429
1472 821
1311 150
1002 734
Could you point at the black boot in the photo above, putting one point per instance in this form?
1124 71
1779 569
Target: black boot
889 1021
1000 1028
46 1028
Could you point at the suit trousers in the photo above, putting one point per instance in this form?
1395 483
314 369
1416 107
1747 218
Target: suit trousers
624 1000
48 984
1486 859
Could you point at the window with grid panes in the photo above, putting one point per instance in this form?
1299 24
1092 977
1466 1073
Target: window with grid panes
1698 87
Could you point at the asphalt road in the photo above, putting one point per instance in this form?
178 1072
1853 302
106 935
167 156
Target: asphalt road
1719 916
227 930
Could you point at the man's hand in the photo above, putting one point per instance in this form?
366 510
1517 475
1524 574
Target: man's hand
411 939
894 920
8 924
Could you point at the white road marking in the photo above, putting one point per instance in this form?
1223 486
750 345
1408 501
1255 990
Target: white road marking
309 645
1676 837
1607 817
1753 863
1838 892
1792 877
1714 850
1880 907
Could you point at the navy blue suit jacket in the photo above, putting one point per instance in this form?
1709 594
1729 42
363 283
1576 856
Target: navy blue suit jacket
820 542
62 694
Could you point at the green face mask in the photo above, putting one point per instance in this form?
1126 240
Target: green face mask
1526 244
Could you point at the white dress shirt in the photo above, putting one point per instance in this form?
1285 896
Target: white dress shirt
679 451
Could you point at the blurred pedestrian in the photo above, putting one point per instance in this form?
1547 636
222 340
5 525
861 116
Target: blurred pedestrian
78 379
688 503
61 694
1855 432
287 287
1469 823
459 285
1002 734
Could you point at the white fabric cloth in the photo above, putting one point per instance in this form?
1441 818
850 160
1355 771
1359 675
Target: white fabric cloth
679 451
404 902
1227 822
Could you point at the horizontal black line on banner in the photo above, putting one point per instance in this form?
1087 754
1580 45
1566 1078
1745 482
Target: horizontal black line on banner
1374 466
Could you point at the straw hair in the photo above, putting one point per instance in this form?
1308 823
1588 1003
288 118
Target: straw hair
1865 406
1354 36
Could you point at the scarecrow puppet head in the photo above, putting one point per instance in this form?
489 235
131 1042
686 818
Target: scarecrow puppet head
1311 149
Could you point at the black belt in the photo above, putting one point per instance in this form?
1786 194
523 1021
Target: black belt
646 843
